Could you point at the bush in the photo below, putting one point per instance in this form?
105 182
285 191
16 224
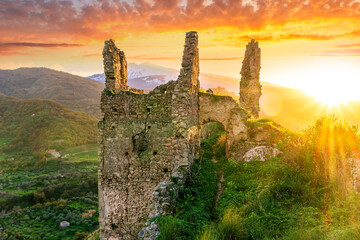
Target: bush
209 233
230 227
171 228
80 236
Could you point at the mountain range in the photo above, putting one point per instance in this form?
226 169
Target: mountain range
148 76
35 125
290 107
78 93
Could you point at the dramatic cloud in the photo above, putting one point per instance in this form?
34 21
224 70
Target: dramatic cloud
348 45
340 53
166 58
221 59
38 45
84 21
11 48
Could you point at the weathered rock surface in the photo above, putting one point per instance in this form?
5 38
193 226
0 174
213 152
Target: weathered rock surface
225 110
261 153
64 224
148 141
54 153
115 67
151 232
147 144
250 88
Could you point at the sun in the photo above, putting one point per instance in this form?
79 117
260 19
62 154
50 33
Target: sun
330 100
331 81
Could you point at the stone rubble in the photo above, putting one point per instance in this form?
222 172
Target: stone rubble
261 153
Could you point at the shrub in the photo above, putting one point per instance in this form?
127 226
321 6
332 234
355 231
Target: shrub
230 227
208 233
80 236
171 228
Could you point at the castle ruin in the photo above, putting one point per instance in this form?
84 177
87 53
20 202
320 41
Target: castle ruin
250 88
149 141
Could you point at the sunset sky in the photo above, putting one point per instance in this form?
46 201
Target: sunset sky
313 45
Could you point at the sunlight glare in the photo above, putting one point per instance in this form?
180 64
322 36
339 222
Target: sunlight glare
333 82
330 80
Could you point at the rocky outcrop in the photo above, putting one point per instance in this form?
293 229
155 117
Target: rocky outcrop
250 88
115 67
259 133
261 153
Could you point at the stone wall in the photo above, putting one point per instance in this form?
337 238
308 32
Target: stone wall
250 88
146 143
225 110
115 67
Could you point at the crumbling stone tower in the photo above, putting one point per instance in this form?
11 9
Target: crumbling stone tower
147 143
115 67
250 88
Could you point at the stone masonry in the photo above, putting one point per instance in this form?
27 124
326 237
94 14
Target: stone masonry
149 141
250 88
115 67
225 110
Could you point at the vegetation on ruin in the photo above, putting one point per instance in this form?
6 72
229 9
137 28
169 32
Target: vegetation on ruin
306 193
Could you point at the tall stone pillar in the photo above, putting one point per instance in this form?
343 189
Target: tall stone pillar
185 102
147 143
250 88
115 67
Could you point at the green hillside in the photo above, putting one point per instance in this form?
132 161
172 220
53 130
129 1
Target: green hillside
38 190
78 93
34 126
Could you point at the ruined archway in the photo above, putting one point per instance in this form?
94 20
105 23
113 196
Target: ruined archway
148 141
209 129
225 110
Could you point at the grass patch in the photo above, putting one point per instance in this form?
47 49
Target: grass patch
195 205
33 190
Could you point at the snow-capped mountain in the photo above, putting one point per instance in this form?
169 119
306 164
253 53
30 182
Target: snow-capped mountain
100 77
149 69
148 76
152 75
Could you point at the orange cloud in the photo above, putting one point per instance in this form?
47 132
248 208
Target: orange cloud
341 53
221 59
167 58
11 48
84 21
310 36
348 45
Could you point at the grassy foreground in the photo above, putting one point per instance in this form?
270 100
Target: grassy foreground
307 193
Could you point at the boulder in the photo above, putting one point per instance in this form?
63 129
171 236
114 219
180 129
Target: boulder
64 224
261 153
54 153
